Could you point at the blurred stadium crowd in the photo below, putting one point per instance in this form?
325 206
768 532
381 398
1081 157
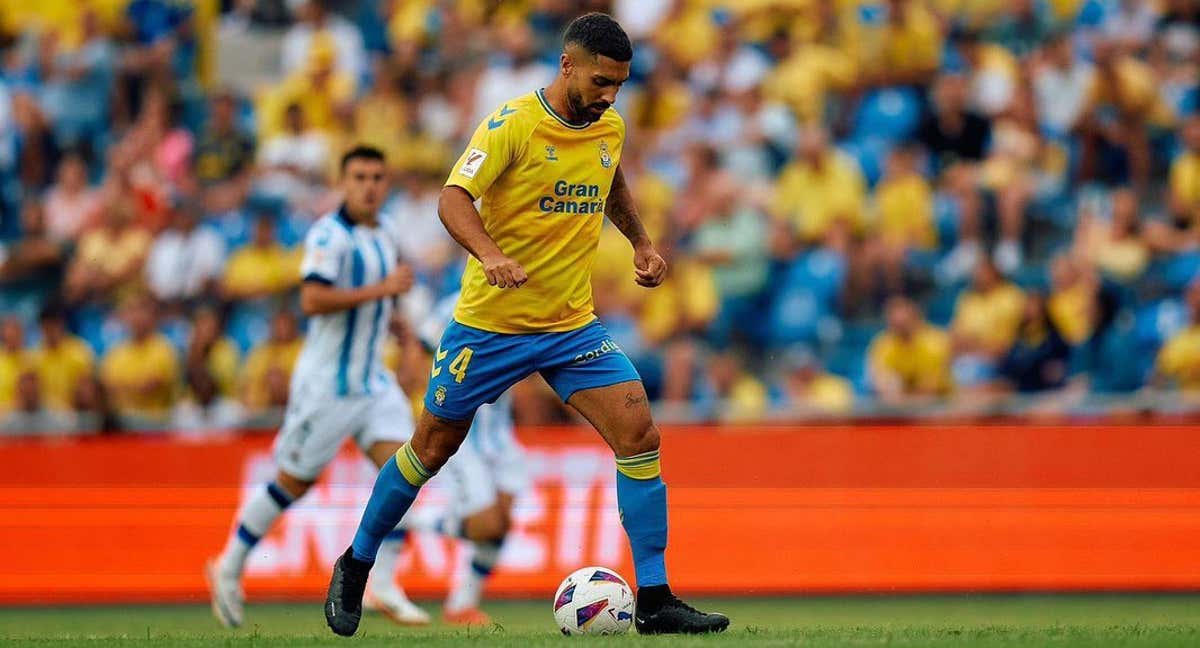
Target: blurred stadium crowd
930 207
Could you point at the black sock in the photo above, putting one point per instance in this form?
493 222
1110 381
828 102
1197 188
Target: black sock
354 564
651 598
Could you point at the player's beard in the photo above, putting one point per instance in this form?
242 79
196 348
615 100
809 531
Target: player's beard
583 111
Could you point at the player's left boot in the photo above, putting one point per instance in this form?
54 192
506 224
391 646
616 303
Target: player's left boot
225 590
391 601
666 614
343 603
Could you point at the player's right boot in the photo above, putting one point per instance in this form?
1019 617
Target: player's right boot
669 615
343 603
225 591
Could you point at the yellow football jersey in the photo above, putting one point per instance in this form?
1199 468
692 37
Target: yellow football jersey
542 183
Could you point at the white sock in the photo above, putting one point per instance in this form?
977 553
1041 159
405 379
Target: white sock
255 519
468 590
383 573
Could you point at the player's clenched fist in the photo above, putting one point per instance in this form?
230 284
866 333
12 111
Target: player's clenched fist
503 272
399 281
649 267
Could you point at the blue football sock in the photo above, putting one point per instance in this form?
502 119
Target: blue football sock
395 490
642 499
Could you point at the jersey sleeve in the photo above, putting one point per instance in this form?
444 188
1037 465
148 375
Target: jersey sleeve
493 147
323 252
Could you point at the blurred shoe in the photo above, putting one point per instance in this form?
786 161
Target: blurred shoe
391 602
225 590
1008 256
467 617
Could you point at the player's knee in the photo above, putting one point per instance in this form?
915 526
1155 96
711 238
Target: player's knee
488 525
435 455
503 522
294 486
643 437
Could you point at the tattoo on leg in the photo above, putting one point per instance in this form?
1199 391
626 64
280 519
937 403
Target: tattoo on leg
632 400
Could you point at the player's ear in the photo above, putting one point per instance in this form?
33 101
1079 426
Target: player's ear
565 64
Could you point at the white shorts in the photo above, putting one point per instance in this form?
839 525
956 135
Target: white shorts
489 462
316 426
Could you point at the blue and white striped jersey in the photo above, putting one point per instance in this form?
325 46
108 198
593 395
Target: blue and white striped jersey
343 351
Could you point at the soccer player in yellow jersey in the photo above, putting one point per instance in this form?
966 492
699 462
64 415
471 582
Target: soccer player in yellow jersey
545 168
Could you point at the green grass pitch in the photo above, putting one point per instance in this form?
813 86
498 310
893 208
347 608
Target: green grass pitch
973 620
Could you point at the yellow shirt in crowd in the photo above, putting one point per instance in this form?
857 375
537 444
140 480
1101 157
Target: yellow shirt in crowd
989 319
1071 311
921 363
60 369
830 394
905 207
268 357
912 45
112 253
12 365
813 199
253 269
223 365
689 37
806 77
1179 359
129 366
1185 184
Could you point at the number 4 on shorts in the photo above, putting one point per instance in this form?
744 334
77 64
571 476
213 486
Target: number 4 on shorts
458 366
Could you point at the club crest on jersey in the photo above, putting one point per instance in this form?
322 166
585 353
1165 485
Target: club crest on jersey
551 153
605 158
439 395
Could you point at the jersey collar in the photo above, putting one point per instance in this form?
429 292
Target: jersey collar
343 217
541 95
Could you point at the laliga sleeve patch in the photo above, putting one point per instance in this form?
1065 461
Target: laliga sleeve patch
470 166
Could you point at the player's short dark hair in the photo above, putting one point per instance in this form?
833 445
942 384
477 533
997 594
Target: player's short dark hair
600 35
361 152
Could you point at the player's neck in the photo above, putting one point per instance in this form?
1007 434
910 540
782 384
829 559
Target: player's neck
556 96
368 218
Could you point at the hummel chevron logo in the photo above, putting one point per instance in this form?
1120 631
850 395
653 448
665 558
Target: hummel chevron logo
496 122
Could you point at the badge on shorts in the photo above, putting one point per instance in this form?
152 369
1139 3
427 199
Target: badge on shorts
439 395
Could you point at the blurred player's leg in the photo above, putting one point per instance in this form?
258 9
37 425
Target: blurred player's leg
384 594
489 527
312 432
254 520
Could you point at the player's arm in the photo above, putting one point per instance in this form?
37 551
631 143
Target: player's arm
457 210
324 252
318 297
649 267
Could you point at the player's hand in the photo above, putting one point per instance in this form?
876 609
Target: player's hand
503 272
649 267
398 282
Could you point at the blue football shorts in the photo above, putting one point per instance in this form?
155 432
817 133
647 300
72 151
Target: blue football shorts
472 367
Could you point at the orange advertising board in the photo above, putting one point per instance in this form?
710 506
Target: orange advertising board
753 510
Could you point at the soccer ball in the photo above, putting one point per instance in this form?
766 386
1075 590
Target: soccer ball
593 600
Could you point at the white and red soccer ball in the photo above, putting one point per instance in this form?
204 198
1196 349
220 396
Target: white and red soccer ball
593 600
